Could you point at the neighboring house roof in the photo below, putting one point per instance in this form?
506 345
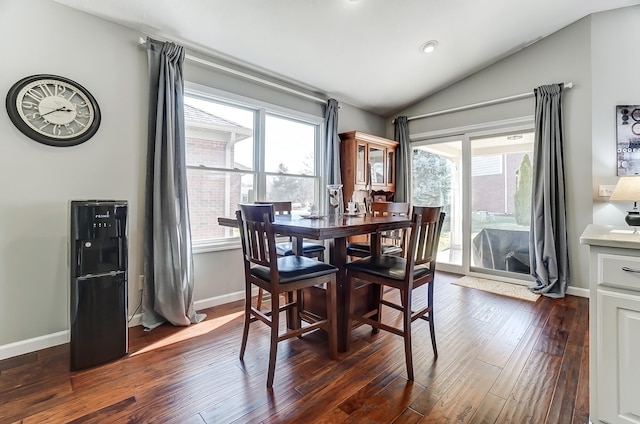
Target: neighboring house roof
198 115
218 128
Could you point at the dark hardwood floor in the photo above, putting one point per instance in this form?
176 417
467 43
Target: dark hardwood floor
501 360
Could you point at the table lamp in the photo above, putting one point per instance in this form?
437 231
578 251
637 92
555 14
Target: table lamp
628 189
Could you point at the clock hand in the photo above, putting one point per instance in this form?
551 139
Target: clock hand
60 109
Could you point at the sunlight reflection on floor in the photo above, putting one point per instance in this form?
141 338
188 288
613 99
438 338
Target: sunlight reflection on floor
189 332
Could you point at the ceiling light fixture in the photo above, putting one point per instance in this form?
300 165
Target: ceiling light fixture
429 46
514 137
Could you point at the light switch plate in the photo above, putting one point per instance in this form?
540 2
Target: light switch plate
605 190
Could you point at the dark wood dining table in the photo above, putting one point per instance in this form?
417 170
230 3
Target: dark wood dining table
336 229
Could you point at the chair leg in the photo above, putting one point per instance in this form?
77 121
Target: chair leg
433 334
332 317
259 299
378 293
247 320
406 311
273 351
349 300
431 325
297 308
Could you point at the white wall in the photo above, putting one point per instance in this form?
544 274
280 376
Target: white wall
614 70
564 56
37 181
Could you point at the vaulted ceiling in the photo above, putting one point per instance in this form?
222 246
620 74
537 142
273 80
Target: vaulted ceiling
365 52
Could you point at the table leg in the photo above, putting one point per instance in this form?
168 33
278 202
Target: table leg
375 241
375 244
339 259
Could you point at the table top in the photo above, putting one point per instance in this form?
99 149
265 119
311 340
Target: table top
330 227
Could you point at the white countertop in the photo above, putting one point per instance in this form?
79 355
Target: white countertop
610 236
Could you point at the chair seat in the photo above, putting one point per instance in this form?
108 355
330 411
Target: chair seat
286 248
364 249
294 268
387 266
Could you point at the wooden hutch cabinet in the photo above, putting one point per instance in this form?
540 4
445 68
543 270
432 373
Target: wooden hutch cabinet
367 164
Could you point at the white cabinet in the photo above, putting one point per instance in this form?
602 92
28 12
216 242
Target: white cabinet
618 343
614 325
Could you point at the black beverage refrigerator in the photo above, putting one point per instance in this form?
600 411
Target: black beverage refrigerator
98 274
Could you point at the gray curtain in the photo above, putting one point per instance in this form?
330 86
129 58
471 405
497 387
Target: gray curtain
332 143
168 261
549 255
403 160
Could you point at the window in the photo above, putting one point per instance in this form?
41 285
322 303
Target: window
290 162
241 152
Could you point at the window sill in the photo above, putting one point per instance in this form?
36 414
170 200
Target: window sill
216 245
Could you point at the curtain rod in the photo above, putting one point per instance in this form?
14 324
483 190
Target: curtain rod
223 68
475 105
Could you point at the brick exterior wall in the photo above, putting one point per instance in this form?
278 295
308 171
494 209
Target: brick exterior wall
490 191
207 189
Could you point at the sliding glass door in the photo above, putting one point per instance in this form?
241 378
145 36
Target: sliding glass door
483 181
500 187
437 180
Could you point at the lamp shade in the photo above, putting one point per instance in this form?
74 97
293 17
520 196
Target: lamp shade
627 189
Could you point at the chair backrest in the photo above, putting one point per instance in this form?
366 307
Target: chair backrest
280 208
425 235
256 234
396 237
389 208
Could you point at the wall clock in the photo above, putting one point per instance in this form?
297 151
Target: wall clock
53 110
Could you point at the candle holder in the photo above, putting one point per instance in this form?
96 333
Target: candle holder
334 200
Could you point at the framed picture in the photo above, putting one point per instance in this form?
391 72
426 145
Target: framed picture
379 198
628 139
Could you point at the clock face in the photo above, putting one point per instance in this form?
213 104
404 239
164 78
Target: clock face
53 110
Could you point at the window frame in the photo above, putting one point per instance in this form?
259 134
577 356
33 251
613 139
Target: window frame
261 109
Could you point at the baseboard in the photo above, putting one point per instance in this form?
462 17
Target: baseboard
43 342
577 291
31 345
220 300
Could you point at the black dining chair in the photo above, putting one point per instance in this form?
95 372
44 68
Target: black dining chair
414 270
393 242
285 248
281 275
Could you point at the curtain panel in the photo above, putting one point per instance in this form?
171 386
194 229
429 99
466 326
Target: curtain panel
549 255
168 261
403 160
332 143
